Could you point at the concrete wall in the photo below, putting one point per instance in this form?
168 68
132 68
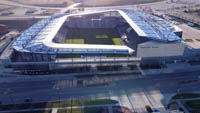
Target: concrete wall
160 50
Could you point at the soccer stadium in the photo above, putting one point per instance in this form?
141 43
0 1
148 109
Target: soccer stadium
104 33
95 38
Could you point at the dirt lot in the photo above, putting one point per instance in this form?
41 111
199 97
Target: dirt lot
192 34
189 32
46 3
19 25
195 13
117 2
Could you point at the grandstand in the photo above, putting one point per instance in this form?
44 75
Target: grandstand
98 33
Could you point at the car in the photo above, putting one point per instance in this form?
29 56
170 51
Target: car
190 24
156 110
28 100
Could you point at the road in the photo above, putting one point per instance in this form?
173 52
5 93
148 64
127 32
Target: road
62 10
11 3
152 89
22 17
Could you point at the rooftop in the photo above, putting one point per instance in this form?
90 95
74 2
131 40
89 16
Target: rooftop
38 38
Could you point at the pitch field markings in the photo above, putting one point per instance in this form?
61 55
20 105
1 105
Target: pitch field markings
117 41
75 41
102 36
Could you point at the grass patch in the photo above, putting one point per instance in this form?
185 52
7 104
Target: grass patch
194 104
117 41
188 40
39 105
48 105
102 36
83 110
195 111
95 110
75 41
73 103
94 35
186 95
56 104
99 102
149 109
40 111
75 110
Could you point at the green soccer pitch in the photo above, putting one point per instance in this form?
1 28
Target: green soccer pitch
104 36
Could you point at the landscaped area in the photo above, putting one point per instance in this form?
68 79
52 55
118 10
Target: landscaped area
192 104
104 36
85 110
186 95
99 102
65 106
74 110
188 40
39 111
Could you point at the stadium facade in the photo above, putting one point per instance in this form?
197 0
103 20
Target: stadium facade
140 35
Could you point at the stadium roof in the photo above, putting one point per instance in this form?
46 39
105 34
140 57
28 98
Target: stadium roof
38 38
149 26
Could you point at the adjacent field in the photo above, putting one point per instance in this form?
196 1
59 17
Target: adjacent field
83 106
94 36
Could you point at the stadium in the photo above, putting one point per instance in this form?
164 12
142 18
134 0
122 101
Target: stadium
119 32
98 34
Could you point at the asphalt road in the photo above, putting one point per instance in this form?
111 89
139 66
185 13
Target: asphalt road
62 10
10 3
18 91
